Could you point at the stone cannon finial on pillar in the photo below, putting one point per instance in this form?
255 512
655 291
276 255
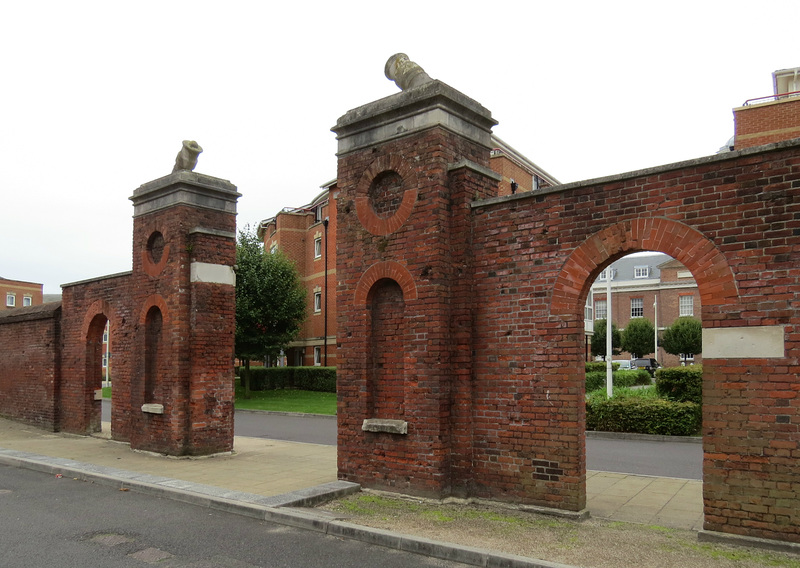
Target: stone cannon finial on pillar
187 157
404 72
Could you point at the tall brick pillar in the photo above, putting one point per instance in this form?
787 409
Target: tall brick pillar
408 167
184 250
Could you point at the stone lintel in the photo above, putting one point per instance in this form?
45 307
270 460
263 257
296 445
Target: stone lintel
385 425
212 273
185 188
213 233
754 342
470 165
152 408
408 112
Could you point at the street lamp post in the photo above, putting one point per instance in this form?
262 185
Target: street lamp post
609 338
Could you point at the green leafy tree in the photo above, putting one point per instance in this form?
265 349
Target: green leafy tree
638 339
684 336
599 339
270 302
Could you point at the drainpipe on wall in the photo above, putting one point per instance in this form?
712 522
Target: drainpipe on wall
325 285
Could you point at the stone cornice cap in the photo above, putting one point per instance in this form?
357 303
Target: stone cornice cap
431 104
185 187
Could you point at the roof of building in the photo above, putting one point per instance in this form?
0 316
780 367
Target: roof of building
624 268
521 160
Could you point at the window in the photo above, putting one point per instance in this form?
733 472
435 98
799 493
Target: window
11 300
105 361
317 356
641 271
603 275
318 247
27 301
317 301
637 307
600 310
273 248
686 306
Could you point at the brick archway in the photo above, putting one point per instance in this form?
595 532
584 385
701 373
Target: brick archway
711 271
380 270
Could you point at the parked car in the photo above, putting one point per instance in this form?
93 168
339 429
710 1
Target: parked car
649 365
623 365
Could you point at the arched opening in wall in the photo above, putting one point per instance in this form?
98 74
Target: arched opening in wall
645 294
96 361
386 380
152 355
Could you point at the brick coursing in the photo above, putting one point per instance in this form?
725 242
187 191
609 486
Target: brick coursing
492 364
172 343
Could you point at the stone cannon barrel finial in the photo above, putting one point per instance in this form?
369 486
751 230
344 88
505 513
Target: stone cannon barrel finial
187 157
404 72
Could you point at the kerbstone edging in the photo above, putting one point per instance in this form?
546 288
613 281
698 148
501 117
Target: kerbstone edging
269 508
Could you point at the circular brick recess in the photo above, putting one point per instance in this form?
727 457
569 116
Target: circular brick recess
386 195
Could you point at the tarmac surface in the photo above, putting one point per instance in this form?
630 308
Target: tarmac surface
278 480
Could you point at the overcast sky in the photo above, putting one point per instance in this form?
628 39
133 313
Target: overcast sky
97 97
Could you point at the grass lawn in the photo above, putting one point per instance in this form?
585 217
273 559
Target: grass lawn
288 401
280 400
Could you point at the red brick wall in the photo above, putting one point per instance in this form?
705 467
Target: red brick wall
30 364
86 307
735 224
418 253
195 379
767 122
496 338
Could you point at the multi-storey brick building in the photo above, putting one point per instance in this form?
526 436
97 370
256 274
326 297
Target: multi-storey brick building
773 118
19 294
307 235
653 286
304 233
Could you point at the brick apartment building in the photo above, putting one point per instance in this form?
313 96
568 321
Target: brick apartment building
20 294
649 285
304 233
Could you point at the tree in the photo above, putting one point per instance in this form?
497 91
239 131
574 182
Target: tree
270 302
638 338
599 339
683 337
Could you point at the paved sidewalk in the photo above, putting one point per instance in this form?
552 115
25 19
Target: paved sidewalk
270 473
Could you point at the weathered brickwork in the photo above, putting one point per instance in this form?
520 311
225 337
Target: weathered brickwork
172 322
489 293
29 366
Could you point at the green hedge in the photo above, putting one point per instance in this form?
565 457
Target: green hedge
320 379
597 379
597 366
681 384
643 416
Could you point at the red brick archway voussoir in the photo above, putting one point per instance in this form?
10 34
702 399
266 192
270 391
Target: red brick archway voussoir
386 269
154 300
98 307
711 271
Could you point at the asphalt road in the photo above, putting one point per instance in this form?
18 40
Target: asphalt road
50 521
661 459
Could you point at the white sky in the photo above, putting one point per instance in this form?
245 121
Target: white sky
96 97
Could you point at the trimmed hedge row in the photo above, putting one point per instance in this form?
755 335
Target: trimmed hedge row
597 379
644 416
681 384
320 379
